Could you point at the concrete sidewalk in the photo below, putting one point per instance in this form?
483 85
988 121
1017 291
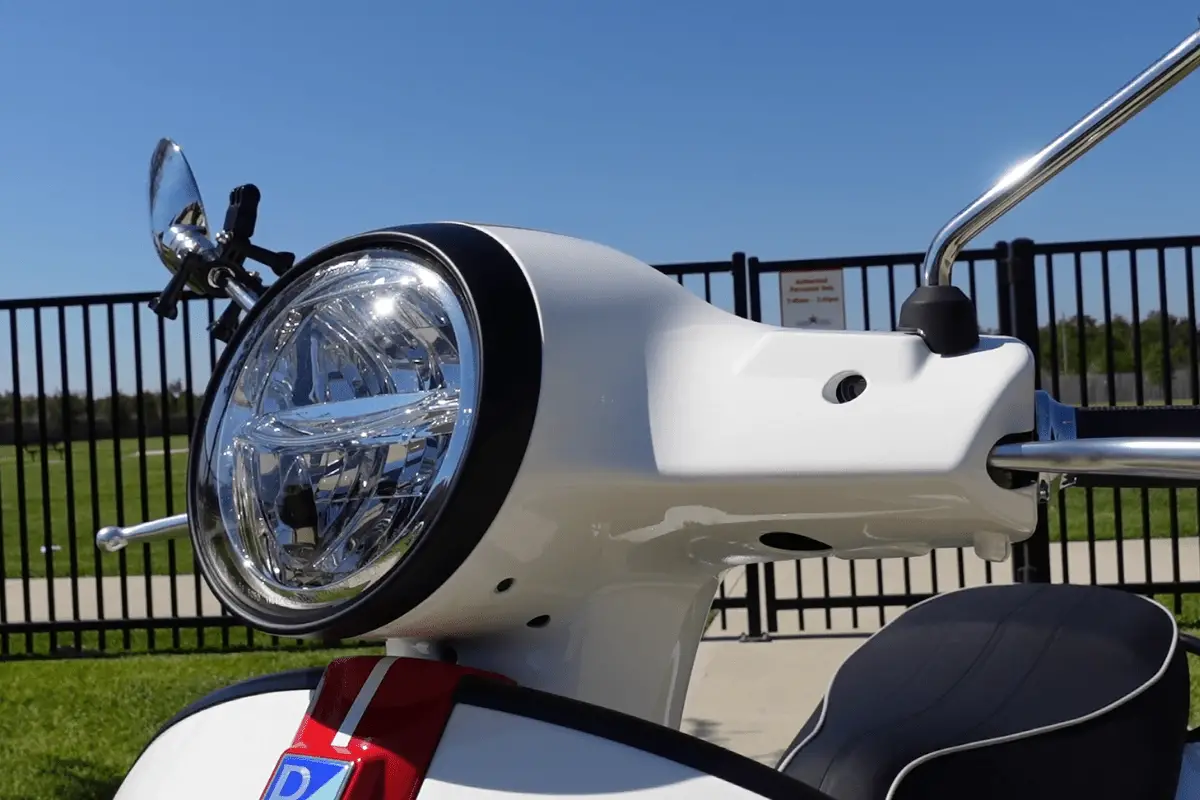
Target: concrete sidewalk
157 596
753 697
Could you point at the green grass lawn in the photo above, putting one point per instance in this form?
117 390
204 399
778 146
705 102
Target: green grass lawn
93 498
63 734
1105 521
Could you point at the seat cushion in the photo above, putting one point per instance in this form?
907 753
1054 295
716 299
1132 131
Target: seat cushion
1022 692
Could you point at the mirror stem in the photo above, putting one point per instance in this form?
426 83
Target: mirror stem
166 305
1026 177
226 324
244 296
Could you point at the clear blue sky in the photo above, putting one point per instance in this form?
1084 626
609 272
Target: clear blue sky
673 130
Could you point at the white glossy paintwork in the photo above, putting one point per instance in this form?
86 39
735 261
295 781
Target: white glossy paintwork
670 435
490 755
224 752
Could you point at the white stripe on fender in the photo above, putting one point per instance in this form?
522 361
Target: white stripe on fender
361 701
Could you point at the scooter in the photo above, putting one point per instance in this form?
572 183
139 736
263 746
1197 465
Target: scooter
509 455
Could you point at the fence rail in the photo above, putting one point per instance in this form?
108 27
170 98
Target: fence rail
99 395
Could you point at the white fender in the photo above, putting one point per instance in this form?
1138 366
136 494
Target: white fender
486 754
223 752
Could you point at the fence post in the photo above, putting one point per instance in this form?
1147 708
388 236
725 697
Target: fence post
754 627
1017 292
754 306
1003 291
740 284
742 273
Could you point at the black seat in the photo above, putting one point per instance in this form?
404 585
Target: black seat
1024 692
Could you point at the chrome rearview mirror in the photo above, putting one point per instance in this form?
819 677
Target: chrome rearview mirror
211 266
178 222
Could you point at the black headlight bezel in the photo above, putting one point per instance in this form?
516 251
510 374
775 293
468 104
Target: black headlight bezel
510 375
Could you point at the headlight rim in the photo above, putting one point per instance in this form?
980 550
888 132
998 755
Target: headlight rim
504 308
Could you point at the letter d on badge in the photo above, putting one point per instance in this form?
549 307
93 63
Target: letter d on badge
282 791
307 778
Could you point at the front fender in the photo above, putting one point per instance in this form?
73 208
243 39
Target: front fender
226 744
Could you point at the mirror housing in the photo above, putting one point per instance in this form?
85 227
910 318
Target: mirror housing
178 221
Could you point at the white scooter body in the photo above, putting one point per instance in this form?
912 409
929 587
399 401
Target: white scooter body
487 754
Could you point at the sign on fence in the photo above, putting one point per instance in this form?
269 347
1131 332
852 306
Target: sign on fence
812 299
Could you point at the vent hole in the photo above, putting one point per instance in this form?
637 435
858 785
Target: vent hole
794 542
539 621
849 388
504 585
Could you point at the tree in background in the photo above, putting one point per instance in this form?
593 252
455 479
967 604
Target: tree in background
123 413
1059 344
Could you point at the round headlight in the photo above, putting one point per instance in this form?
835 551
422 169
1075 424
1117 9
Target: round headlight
336 431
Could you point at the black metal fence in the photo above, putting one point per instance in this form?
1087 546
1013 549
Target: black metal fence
99 396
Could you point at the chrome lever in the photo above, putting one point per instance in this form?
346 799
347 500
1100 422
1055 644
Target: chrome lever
1170 459
114 537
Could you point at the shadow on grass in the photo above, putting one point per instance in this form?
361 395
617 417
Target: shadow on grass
76 779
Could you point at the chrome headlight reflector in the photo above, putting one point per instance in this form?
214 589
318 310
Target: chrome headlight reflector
336 431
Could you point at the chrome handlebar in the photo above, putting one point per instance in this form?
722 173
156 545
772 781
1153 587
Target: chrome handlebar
1166 459
114 538
1089 445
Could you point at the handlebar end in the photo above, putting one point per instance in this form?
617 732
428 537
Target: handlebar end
111 539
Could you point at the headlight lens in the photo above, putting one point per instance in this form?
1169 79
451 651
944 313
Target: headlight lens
344 416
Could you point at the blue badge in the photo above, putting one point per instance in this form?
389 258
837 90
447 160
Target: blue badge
307 778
